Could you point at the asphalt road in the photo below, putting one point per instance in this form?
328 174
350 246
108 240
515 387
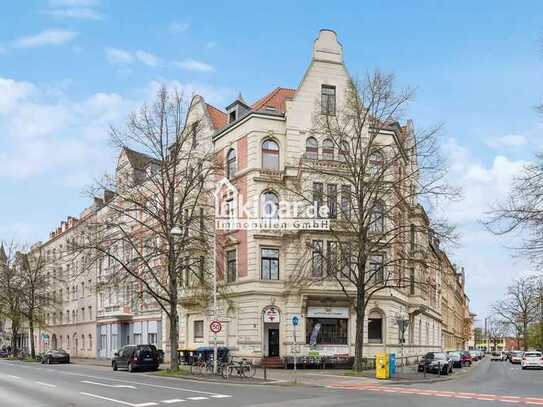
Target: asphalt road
29 384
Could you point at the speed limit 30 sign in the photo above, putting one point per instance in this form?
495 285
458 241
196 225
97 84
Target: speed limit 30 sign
215 326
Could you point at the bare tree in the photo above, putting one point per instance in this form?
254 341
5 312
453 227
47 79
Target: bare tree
522 211
32 270
131 238
381 173
496 330
520 305
10 283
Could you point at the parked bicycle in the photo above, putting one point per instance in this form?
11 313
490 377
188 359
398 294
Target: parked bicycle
243 368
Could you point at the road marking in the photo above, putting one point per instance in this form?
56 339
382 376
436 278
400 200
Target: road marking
118 386
196 398
221 396
13 376
124 403
509 401
172 401
47 384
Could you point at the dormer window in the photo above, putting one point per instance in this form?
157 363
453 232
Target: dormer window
232 116
237 109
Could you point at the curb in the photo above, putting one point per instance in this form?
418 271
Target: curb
210 380
436 379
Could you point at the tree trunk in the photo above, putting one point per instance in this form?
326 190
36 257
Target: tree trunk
174 333
14 334
32 344
525 336
359 340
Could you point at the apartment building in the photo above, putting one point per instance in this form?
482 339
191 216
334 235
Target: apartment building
261 145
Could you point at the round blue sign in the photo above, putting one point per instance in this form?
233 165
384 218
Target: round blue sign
295 320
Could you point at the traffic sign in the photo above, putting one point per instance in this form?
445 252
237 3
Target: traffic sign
295 320
215 326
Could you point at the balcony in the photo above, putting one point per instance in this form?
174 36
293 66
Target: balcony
115 311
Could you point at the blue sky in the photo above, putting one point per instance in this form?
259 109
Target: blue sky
70 68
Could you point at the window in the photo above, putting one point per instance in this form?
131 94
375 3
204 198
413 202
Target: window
152 338
137 339
412 237
67 317
317 197
346 259
269 265
326 331
270 205
90 342
231 165
311 148
375 328
377 220
82 313
332 201
327 149
270 155
375 163
317 258
82 342
412 281
343 151
89 289
375 268
231 266
331 257
103 342
90 312
82 289
346 201
198 330
328 99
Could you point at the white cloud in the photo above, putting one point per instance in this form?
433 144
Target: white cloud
47 37
194 65
176 27
509 140
123 57
147 58
77 9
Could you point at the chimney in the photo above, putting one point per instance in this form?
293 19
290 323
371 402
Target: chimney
327 47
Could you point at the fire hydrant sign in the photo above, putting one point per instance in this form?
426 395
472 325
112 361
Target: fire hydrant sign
215 326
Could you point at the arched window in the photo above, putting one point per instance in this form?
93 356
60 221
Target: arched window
270 205
375 327
270 155
327 149
343 151
377 220
375 163
231 165
90 342
312 148
82 342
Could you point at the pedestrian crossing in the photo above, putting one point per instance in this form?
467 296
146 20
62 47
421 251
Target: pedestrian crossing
439 393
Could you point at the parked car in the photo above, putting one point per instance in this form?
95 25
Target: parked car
475 355
497 356
466 358
134 357
55 356
516 357
456 358
436 362
532 359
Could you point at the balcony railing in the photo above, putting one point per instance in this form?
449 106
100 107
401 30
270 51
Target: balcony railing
115 311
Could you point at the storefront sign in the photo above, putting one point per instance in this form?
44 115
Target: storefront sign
328 312
272 315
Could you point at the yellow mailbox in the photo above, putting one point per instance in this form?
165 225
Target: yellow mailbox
381 366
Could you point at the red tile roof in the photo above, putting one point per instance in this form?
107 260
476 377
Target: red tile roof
218 117
275 99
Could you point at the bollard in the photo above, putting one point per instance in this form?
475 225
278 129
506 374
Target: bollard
265 374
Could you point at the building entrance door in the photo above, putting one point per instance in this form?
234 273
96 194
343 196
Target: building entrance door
273 342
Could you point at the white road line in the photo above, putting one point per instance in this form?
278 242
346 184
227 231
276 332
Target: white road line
125 403
118 386
47 384
197 398
221 396
172 401
13 376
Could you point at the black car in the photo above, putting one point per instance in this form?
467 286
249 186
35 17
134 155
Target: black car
134 357
55 356
436 362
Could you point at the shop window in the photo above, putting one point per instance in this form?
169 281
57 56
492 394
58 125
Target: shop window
375 329
326 331
269 264
270 155
311 148
198 330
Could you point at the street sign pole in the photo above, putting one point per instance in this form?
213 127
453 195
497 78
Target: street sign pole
295 322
